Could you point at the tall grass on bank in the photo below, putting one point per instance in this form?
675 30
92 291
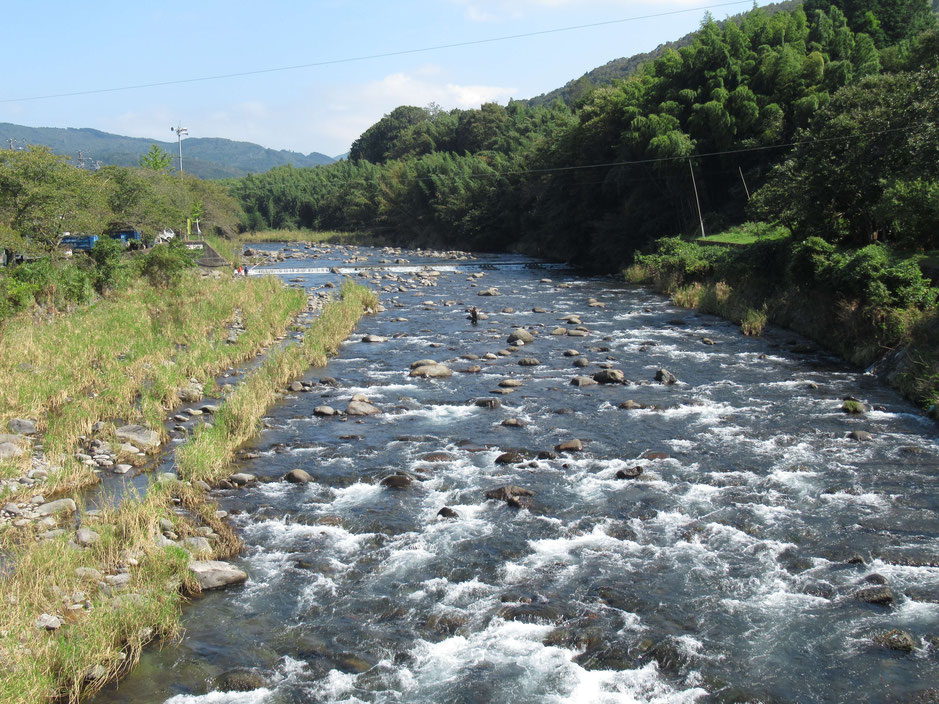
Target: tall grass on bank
208 455
103 628
871 305
124 358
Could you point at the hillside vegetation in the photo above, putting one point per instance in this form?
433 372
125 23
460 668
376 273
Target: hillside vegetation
598 180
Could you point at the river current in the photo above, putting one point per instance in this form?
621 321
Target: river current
727 571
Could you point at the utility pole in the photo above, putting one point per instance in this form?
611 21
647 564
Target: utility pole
10 140
81 159
746 190
696 200
180 131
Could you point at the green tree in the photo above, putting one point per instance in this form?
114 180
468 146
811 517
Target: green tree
42 197
156 159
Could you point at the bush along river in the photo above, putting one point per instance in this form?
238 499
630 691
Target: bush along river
588 496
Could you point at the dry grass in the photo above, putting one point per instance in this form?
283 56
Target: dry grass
208 455
103 638
124 358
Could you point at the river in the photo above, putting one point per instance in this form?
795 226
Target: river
727 571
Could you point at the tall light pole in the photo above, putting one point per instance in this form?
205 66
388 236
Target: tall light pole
180 131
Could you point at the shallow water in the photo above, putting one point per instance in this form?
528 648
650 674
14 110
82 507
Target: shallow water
723 573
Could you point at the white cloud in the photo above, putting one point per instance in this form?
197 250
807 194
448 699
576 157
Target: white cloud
326 122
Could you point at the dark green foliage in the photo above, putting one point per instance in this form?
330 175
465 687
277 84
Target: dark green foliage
44 282
165 263
107 255
886 21
870 276
869 169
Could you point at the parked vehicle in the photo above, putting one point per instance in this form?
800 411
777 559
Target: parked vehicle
127 236
80 242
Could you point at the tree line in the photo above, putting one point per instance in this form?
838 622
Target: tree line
822 117
43 197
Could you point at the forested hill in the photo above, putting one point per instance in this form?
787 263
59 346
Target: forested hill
624 67
855 82
203 157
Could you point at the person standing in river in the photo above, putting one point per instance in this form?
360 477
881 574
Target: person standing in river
474 315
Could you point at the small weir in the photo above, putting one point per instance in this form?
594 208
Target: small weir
720 539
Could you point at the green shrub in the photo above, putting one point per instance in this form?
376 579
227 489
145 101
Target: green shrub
107 255
868 275
165 263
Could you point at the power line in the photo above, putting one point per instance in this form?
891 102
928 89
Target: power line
369 57
658 160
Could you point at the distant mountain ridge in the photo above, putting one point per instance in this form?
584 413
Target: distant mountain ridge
206 157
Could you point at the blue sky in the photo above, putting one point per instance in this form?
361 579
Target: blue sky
65 46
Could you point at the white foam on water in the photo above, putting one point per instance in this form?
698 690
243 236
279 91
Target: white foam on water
285 534
554 550
444 414
541 673
867 499
378 391
356 495
256 696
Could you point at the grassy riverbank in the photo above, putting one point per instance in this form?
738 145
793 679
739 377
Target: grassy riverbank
870 305
126 586
209 453
124 360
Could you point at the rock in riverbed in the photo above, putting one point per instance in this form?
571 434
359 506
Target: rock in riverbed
515 496
214 574
297 476
140 436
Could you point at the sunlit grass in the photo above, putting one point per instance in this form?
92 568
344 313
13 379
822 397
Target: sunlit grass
124 358
209 454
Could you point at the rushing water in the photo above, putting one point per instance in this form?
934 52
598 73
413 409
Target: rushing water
725 572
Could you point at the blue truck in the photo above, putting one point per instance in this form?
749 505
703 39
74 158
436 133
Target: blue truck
80 242
84 243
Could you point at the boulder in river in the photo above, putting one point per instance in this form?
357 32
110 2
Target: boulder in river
214 574
896 640
852 406
583 381
140 436
882 596
510 457
529 362
631 405
515 496
521 336
239 680
361 408
324 411
488 402
573 445
860 436
609 376
434 370
513 423
447 512
297 476
396 481
629 473
374 338
489 292
664 376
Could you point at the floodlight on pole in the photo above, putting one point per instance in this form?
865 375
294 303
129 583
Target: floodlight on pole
180 131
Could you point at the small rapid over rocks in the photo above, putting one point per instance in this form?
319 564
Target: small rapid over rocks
602 499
